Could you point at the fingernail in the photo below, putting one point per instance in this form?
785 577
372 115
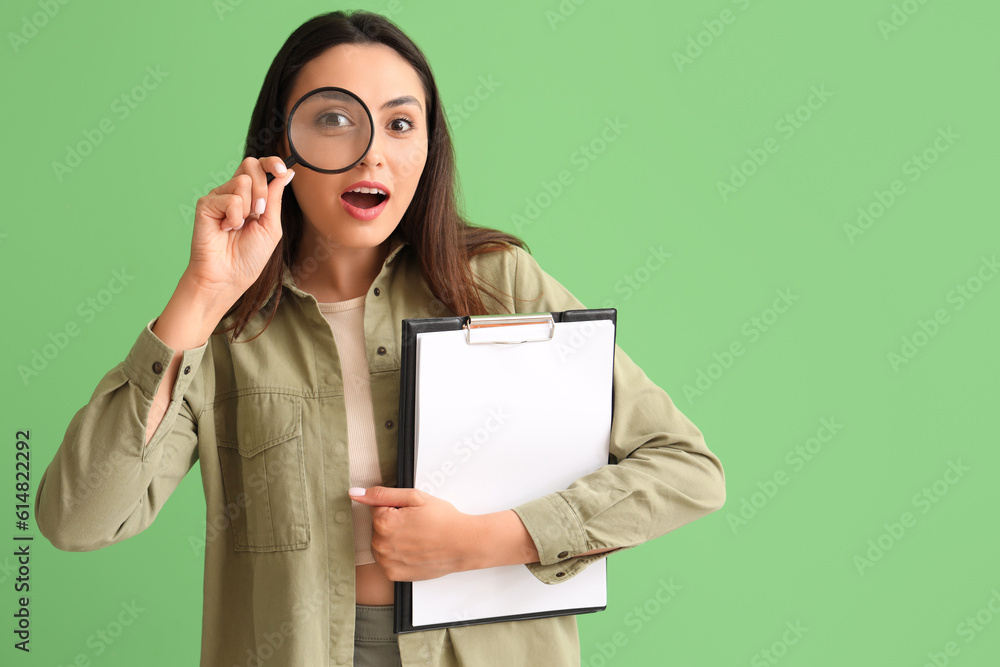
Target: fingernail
280 168
259 206
291 175
356 491
240 227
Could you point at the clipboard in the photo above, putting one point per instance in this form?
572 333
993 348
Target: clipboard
550 376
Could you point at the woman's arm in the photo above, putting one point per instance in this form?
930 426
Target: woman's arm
664 476
505 541
123 454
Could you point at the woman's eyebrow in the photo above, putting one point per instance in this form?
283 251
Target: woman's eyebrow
402 101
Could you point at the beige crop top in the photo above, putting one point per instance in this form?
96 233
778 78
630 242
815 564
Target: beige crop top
347 319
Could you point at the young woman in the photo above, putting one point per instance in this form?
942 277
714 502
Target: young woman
294 426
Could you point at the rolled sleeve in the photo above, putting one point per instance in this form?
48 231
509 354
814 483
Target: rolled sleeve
149 353
559 537
663 475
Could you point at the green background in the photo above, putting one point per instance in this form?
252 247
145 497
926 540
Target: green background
560 73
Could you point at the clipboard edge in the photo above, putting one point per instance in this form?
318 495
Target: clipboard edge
408 627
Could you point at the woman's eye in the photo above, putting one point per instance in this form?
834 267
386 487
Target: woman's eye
401 124
333 120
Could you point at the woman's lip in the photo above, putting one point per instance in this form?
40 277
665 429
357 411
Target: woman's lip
363 214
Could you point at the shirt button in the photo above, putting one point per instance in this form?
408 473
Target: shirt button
381 350
157 367
562 554
377 291
343 589
560 574
388 423
340 517
187 369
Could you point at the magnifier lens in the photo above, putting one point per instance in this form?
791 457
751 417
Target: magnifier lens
330 130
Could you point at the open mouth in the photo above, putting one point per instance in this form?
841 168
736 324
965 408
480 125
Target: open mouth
364 199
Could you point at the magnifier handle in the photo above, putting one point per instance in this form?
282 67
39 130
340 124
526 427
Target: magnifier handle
289 162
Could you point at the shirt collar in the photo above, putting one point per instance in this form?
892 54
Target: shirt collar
396 244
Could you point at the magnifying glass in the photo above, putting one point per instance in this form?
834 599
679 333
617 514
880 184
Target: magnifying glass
329 130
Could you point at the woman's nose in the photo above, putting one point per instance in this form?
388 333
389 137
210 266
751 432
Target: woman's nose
373 157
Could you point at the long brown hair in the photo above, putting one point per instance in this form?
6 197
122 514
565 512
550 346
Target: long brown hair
443 240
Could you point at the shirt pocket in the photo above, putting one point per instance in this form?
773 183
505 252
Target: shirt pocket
259 438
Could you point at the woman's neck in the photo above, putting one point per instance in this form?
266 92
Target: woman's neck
334 273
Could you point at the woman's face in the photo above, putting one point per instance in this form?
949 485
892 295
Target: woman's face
391 89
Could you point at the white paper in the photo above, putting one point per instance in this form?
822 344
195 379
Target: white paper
497 425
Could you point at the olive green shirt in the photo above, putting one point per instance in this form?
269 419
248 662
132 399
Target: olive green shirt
266 421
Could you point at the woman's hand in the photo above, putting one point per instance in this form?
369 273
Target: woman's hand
232 240
417 536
